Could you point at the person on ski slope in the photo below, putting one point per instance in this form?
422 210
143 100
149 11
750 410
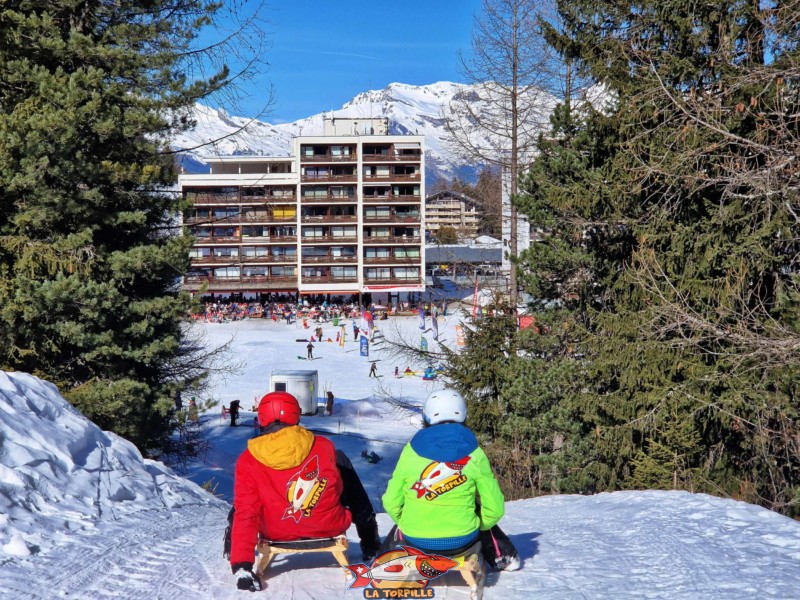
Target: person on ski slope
432 495
291 485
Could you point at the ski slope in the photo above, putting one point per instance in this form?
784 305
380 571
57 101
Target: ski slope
82 515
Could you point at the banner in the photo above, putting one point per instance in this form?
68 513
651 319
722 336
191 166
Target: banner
422 318
342 335
364 346
423 344
435 326
460 336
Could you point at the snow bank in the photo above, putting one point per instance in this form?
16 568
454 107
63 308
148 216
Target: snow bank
59 472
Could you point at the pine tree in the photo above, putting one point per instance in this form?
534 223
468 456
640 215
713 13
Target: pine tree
90 93
671 239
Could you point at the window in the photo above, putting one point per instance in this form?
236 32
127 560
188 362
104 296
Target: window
287 251
406 252
224 232
284 271
315 192
255 231
378 232
343 232
343 272
199 252
379 273
375 212
227 272
313 232
406 273
376 252
226 252
254 271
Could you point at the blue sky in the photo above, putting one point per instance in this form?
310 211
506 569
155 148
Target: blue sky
324 52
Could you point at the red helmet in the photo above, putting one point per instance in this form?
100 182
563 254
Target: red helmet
278 407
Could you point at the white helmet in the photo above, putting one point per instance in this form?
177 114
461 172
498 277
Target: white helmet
444 405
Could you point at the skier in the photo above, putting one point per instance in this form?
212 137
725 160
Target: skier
233 409
373 370
444 460
291 484
310 349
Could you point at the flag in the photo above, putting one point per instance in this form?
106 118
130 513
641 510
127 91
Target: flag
364 346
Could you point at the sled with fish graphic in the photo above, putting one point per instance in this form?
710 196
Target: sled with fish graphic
405 567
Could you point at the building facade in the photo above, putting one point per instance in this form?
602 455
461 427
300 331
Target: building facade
343 214
452 209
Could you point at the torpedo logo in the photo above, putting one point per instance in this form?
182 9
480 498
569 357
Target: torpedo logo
439 478
304 490
400 573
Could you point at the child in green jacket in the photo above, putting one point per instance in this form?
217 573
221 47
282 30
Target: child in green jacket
432 495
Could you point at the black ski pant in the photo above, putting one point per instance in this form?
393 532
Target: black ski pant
355 498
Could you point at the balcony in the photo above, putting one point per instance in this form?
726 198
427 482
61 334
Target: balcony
318 219
367 158
393 281
258 260
269 239
392 177
393 219
219 284
240 218
228 199
329 239
392 260
393 239
268 200
328 199
329 177
391 199
328 158
328 258
329 279
218 239
215 260
211 198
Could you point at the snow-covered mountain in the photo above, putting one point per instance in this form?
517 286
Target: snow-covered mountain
411 109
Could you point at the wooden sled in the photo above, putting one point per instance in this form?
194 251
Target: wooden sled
268 550
472 568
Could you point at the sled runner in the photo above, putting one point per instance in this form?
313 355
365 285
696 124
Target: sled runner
268 550
472 569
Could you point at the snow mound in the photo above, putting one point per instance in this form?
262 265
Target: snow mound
59 472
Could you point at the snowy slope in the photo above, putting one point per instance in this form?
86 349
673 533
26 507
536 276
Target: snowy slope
411 110
83 516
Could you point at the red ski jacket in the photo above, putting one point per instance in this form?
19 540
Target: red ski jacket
287 487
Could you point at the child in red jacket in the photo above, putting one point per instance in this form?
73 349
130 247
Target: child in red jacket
291 485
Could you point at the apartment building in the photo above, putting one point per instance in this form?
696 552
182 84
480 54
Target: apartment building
452 209
343 214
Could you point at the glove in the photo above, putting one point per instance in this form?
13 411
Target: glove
245 578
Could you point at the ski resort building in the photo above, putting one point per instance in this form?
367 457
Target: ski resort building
455 210
343 214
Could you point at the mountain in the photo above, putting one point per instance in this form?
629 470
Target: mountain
411 109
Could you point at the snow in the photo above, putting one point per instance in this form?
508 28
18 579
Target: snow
82 515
